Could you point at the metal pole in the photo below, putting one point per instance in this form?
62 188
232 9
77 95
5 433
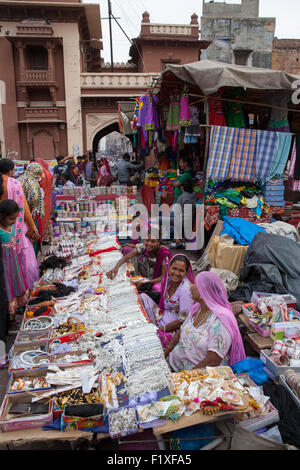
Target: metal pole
110 34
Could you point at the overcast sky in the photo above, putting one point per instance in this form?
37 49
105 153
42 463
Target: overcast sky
286 12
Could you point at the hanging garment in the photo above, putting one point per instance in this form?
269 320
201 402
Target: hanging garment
185 118
294 185
216 116
220 151
297 162
267 144
242 166
281 156
145 100
279 117
137 109
152 121
174 113
234 112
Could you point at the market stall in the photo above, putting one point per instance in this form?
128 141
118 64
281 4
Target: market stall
239 127
87 359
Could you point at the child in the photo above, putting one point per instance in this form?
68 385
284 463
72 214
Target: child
15 283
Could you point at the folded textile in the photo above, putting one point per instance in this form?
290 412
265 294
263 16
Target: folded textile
241 230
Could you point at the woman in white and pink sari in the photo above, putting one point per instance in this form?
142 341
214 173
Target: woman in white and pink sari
175 300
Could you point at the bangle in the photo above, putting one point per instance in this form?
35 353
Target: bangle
168 347
164 328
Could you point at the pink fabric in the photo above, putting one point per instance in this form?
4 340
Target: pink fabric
127 249
213 293
106 166
164 285
25 249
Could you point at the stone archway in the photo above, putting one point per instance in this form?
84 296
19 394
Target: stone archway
114 127
96 122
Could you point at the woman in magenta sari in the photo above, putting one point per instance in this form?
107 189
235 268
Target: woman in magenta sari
210 336
150 260
175 299
104 177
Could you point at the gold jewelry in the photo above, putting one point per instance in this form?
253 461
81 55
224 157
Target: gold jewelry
204 317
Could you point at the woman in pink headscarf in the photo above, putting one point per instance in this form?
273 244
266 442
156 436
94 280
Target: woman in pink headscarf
104 178
210 335
175 300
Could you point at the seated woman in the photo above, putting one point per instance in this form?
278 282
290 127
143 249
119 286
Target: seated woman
150 260
175 300
139 225
210 335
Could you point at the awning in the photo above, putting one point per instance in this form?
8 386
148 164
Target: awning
210 75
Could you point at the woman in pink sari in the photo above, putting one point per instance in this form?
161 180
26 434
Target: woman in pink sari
25 248
175 300
25 231
210 335
104 178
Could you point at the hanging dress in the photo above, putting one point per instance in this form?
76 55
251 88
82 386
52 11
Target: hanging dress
216 115
152 120
234 112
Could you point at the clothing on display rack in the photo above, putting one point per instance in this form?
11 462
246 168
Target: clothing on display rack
234 112
216 115
279 117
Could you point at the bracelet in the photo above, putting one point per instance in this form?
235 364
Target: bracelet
164 328
168 347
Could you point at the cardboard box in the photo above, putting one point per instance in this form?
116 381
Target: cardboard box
10 422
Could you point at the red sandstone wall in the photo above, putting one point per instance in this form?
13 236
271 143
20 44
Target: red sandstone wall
153 56
9 110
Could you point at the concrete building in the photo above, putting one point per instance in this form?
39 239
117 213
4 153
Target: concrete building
237 34
60 95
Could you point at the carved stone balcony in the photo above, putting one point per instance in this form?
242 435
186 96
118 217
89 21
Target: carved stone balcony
37 78
41 113
117 81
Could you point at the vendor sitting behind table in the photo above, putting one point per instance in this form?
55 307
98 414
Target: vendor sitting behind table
210 336
151 261
186 165
187 198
